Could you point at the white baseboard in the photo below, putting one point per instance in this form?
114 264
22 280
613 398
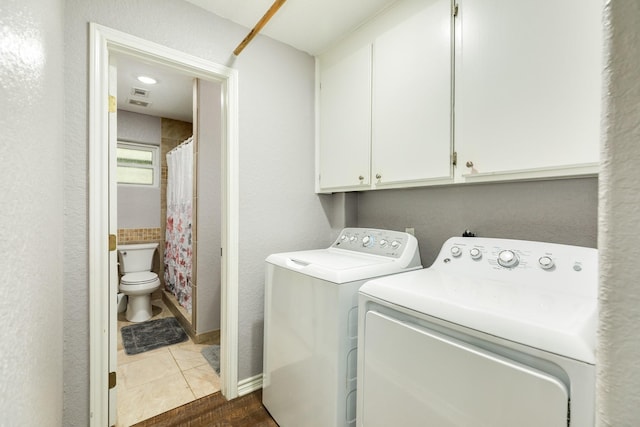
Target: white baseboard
249 385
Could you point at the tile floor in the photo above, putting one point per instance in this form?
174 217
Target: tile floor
156 381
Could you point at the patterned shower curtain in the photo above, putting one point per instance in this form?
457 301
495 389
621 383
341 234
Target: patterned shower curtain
178 249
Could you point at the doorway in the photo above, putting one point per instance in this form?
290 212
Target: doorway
104 43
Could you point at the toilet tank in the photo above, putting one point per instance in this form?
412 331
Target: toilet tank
136 258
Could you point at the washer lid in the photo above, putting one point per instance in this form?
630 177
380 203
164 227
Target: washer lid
560 323
337 265
139 278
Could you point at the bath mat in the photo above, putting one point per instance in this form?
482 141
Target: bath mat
212 354
152 334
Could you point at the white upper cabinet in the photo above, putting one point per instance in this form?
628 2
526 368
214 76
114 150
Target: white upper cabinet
411 138
513 91
527 88
390 110
345 122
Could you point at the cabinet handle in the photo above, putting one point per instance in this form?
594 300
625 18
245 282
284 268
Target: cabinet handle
361 177
378 176
469 164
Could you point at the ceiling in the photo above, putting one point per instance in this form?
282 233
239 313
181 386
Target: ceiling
308 25
170 97
311 26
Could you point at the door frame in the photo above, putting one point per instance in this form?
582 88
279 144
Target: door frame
103 41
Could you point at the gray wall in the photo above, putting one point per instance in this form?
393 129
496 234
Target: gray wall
139 207
31 212
561 211
278 208
208 218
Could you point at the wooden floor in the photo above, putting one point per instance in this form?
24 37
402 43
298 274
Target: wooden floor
215 411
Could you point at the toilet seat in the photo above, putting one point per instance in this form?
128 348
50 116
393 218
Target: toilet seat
139 278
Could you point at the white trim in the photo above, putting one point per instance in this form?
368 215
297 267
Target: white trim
249 385
98 233
104 40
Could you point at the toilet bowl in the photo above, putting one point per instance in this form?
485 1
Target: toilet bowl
138 281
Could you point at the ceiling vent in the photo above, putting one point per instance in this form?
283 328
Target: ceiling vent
136 91
138 103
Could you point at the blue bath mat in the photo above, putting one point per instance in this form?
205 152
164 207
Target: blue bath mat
152 334
212 354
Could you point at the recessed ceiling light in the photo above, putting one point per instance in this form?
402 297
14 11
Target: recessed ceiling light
147 80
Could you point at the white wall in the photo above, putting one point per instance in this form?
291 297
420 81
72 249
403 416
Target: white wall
31 212
278 208
139 207
618 352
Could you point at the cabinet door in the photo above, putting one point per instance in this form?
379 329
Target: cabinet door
345 122
411 138
527 91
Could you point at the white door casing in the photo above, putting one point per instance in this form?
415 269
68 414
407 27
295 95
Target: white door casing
103 41
113 230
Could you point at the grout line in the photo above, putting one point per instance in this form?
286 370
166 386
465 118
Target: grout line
183 377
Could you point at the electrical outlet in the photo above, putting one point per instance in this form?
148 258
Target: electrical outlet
410 230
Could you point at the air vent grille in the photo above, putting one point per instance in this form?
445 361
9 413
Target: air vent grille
138 102
136 91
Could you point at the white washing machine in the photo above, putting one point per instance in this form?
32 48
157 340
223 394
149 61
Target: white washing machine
310 323
497 333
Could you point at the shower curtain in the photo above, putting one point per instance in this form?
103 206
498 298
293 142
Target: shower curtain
178 250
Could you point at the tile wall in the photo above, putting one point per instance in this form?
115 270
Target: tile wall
139 235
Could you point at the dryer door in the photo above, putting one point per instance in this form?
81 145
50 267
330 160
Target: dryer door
417 377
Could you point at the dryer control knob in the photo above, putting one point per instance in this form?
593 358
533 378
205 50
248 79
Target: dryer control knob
368 241
456 251
546 262
508 259
383 243
395 244
475 253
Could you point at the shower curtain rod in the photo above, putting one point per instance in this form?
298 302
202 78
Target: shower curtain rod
186 141
261 23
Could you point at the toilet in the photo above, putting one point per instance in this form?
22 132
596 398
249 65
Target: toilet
138 281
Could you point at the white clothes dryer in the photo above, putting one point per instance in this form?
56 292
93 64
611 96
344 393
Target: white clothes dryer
496 333
310 323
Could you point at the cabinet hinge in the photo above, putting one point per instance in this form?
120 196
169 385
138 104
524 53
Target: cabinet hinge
113 105
454 158
454 10
112 380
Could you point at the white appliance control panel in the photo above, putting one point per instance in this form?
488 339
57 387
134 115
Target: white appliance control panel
386 243
520 261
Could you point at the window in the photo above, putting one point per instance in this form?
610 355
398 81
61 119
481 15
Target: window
137 164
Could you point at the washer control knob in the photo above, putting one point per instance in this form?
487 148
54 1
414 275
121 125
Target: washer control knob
508 259
546 262
352 239
395 244
456 251
383 243
475 253
343 237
